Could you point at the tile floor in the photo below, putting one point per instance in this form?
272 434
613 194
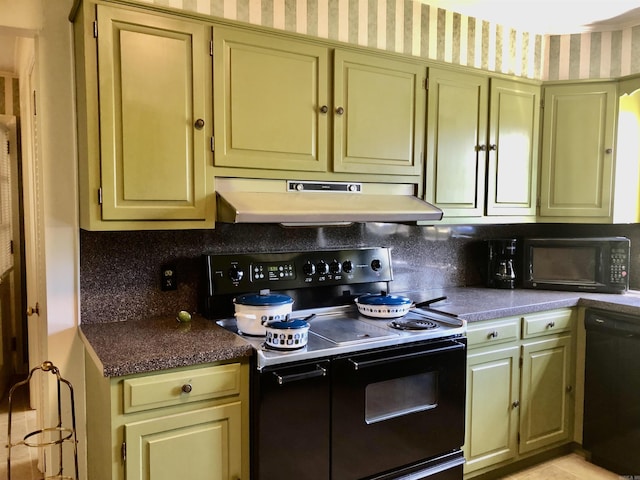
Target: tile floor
23 421
568 467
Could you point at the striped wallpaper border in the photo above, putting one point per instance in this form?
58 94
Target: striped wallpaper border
415 28
403 26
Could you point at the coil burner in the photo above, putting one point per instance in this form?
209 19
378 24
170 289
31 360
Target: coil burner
413 324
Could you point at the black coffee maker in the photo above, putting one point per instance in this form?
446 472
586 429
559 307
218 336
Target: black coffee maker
502 263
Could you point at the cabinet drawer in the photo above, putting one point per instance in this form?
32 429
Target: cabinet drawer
547 323
176 388
484 334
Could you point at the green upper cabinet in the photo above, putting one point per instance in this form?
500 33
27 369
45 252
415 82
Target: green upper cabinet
577 158
482 146
379 108
145 139
512 168
456 132
277 109
269 95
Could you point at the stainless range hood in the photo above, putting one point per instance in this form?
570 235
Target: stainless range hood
291 202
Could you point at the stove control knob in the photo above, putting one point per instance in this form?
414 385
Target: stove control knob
335 267
235 273
322 267
347 266
376 264
309 268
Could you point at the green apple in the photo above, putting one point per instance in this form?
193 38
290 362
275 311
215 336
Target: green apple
184 316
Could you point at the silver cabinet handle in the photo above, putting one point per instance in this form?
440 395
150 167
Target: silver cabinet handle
551 324
199 124
339 110
516 404
324 109
187 387
493 334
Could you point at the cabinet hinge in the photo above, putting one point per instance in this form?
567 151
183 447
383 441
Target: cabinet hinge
518 438
8 147
520 362
212 144
123 451
95 29
211 48
426 84
11 247
100 196
542 103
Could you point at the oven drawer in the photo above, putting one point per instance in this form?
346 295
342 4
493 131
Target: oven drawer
403 393
484 334
175 388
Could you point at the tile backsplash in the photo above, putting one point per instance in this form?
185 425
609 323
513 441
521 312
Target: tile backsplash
120 271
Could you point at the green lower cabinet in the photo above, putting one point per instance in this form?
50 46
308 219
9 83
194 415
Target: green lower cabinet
492 418
200 445
546 389
188 422
520 377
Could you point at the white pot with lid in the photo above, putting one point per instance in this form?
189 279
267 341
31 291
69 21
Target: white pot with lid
254 310
289 334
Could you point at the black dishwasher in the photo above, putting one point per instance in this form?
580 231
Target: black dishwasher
612 391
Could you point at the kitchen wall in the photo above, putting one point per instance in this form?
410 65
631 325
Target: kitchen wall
9 95
414 28
120 271
403 26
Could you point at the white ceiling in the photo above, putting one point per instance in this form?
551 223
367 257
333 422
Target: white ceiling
537 16
549 16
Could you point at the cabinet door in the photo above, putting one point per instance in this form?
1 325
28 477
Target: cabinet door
513 148
492 413
199 445
379 108
268 96
456 135
546 387
577 150
154 83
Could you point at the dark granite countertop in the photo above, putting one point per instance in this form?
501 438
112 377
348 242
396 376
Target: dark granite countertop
475 303
146 345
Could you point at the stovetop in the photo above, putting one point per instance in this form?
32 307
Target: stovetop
342 330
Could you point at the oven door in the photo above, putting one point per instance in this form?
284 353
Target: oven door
397 407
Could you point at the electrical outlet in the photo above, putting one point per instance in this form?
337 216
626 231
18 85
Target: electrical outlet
168 278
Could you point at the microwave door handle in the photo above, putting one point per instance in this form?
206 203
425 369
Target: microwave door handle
360 364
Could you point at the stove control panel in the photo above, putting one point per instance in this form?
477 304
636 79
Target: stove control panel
247 272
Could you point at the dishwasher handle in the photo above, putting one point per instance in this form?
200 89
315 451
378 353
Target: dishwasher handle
612 323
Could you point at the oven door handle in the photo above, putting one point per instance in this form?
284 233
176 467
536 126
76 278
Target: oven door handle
453 345
294 377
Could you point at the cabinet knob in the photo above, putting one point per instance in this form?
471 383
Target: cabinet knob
609 151
339 110
186 388
33 310
493 334
481 148
551 324
569 388
516 404
199 124
493 147
324 109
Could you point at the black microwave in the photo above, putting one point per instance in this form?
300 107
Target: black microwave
598 264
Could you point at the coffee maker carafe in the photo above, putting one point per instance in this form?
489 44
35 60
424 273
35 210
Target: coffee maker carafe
502 263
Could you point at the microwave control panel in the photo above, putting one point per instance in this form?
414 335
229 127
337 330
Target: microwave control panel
619 264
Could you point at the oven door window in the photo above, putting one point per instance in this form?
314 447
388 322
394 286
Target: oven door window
400 396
